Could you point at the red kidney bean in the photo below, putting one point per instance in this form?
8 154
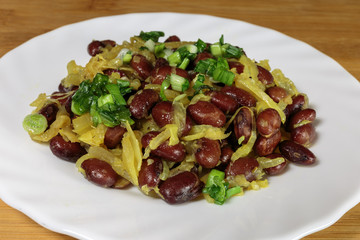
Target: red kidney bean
162 113
276 93
297 104
265 76
174 153
243 124
142 103
96 47
173 38
296 153
141 65
149 174
226 153
64 89
265 146
202 56
113 136
209 152
69 151
278 169
241 96
206 113
159 74
268 122
99 172
181 188
224 102
160 62
49 111
243 165
110 71
307 115
304 135
237 65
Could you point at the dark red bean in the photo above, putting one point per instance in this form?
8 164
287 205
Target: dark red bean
64 89
162 113
141 65
160 62
268 122
69 151
237 65
173 38
113 136
296 153
49 111
276 93
96 47
149 174
303 116
243 124
99 172
304 135
110 71
243 165
174 153
297 104
278 169
265 146
224 102
206 113
265 76
181 188
159 74
209 152
226 153
241 96
142 103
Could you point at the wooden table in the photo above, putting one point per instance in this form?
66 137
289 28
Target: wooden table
331 26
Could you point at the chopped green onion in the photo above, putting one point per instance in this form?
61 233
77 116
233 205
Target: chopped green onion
221 40
115 92
159 50
232 52
35 123
150 44
215 50
191 48
201 45
164 85
224 76
178 83
184 63
218 188
127 57
206 66
174 59
105 99
153 35
200 78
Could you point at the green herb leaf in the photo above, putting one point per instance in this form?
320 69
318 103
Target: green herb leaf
153 35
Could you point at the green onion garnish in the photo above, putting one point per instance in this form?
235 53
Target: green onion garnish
153 35
103 99
178 83
35 123
218 188
201 45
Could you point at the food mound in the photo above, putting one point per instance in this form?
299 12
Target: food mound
180 120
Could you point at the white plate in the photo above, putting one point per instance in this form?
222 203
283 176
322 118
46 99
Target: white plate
297 203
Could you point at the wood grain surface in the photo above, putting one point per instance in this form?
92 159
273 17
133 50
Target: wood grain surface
331 26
